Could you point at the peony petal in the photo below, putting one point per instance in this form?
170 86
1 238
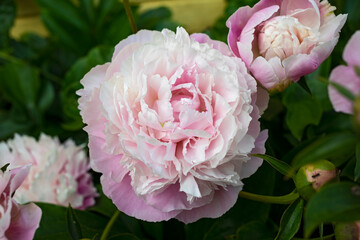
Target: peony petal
249 168
346 77
173 199
288 7
299 65
133 206
264 73
331 29
222 201
89 102
142 36
352 50
203 38
25 219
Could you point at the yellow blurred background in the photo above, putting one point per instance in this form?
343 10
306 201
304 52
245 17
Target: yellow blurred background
194 15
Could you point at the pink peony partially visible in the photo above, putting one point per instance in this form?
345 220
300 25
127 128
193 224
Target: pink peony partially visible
347 76
16 221
58 173
283 40
172 120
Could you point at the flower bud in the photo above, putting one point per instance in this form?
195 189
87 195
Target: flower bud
312 176
347 231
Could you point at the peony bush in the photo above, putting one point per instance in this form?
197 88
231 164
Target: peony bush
248 129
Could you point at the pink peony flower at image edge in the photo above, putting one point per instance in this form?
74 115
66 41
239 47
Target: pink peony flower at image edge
346 76
58 173
171 124
16 221
283 40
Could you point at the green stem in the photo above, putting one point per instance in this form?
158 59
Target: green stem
109 225
130 15
286 199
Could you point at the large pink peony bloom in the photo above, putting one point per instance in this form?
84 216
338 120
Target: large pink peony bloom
16 221
171 123
347 76
282 40
58 173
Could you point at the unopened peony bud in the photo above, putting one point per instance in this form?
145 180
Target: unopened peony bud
312 176
347 231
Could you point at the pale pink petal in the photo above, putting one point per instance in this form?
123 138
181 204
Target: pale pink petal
142 36
89 102
247 35
264 73
25 219
172 199
352 50
203 38
289 6
331 29
249 168
346 77
303 64
222 201
125 199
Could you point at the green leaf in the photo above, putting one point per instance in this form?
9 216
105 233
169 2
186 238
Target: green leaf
7 17
353 20
73 224
337 202
64 10
89 9
124 236
302 110
53 224
71 84
103 204
10 126
343 91
150 18
357 165
254 230
335 147
319 88
20 85
280 166
291 220
62 33
47 97
104 9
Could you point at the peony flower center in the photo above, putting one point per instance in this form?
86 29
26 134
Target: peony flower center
284 36
185 95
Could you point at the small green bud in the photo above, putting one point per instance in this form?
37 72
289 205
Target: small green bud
347 231
312 176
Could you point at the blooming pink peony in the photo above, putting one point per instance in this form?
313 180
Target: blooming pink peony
171 123
347 76
16 221
58 173
282 40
